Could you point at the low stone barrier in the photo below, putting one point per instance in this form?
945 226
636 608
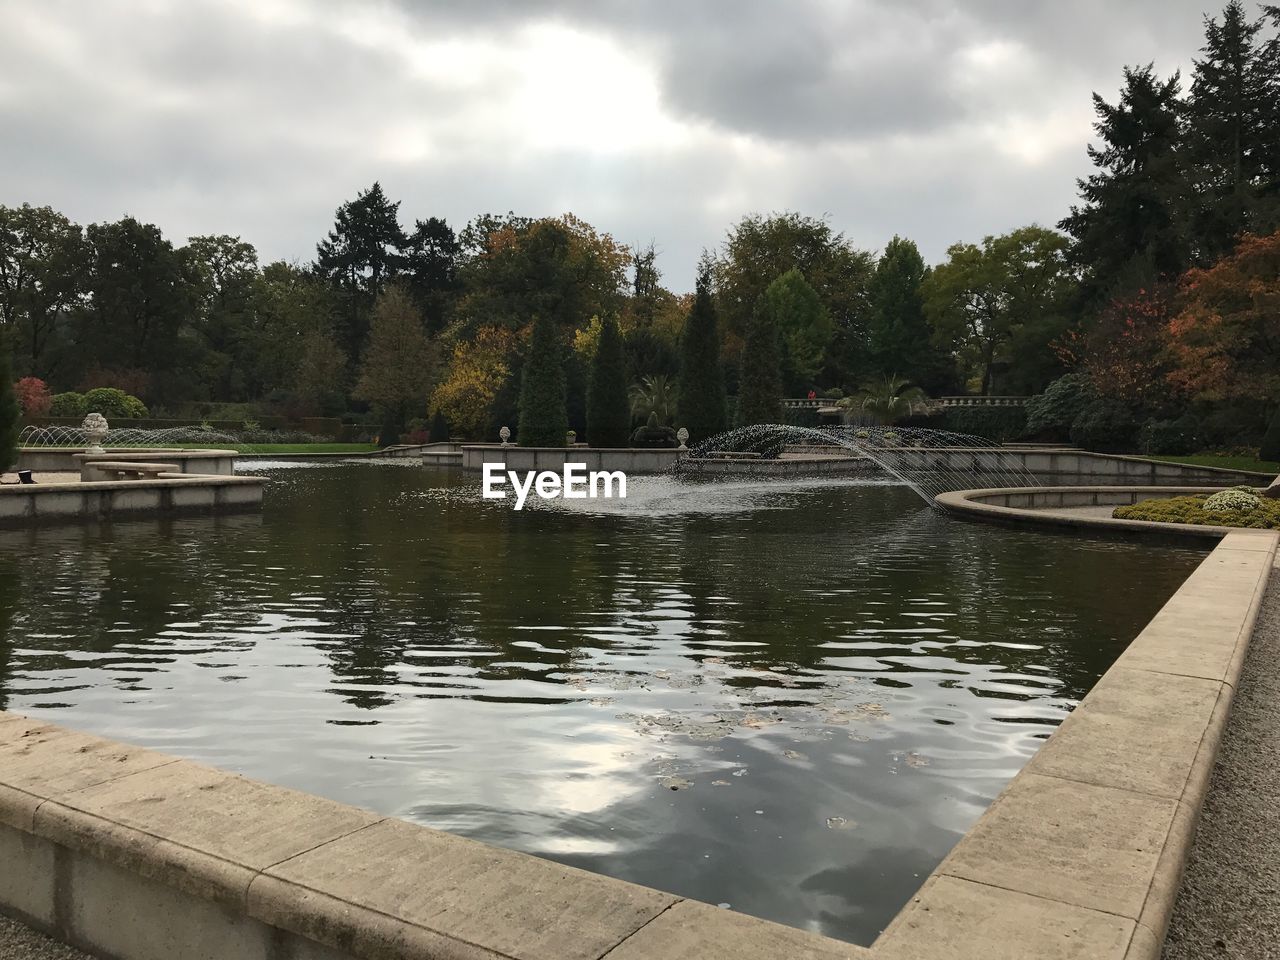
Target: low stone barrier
141 856
167 494
627 459
70 460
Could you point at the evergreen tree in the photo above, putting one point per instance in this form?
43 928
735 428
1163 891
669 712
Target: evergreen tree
360 255
544 420
1131 228
760 388
438 432
430 266
10 415
899 336
1233 99
399 363
804 329
608 406
701 408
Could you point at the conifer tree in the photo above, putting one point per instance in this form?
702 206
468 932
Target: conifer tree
544 419
701 407
10 415
760 386
1271 441
608 406
1132 226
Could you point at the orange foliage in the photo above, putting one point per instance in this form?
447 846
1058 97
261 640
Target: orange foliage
477 371
1225 340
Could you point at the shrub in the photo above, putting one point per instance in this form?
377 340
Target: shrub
70 404
1181 436
1195 511
1233 500
801 416
114 403
1271 440
33 396
653 434
1000 424
1105 426
1051 414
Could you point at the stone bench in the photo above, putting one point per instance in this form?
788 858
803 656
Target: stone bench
124 470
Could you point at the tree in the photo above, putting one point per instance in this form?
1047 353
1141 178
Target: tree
10 415
430 268
608 409
654 396
293 321
760 249
1002 304
804 328
544 420
399 363
1271 440
1225 339
319 380
702 406
887 400
760 388
223 273
34 398
1231 134
360 255
42 264
140 299
477 371
1132 225
898 333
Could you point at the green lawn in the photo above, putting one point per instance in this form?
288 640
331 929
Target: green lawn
1229 463
288 447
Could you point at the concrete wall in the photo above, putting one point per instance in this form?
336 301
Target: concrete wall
1081 467
65 460
627 459
169 494
137 855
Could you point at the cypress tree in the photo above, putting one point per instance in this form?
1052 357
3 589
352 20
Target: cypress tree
701 407
544 418
438 432
608 407
1271 440
10 414
760 386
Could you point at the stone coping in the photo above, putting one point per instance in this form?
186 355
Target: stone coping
141 453
1080 856
161 480
1052 506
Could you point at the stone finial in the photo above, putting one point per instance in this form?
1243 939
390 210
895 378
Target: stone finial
95 429
683 436
504 435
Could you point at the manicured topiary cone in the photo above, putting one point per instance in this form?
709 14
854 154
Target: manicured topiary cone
760 387
1271 440
701 406
608 407
544 418
10 414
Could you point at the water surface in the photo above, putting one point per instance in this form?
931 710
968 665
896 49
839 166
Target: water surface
788 698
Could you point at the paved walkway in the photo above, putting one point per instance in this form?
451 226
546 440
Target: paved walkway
18 942
1229 905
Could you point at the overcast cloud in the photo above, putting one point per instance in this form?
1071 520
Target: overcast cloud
666 120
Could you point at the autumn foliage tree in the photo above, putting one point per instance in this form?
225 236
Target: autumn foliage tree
476 372
1225 339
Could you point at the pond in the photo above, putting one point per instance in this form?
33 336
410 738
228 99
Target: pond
790 699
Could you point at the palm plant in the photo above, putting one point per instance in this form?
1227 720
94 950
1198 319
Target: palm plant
654 395
887 400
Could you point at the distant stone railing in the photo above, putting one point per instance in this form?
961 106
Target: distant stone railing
981 401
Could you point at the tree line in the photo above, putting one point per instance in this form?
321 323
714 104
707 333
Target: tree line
547 324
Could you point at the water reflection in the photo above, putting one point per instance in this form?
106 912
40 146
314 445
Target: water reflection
789 698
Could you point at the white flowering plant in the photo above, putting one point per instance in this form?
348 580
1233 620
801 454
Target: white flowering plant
1233 500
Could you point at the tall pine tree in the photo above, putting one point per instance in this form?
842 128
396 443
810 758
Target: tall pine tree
608 406
760 386
1132 227
701 406
544 420
1230 138
899 338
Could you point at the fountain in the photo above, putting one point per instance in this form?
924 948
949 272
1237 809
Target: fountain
928 461
96 435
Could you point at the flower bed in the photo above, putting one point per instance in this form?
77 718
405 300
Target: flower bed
1264 516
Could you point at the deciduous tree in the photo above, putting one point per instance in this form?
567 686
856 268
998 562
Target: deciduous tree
399 363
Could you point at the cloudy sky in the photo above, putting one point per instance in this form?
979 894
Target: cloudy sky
662 120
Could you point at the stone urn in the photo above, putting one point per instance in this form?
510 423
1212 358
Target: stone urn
683 436
95 431
504 435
